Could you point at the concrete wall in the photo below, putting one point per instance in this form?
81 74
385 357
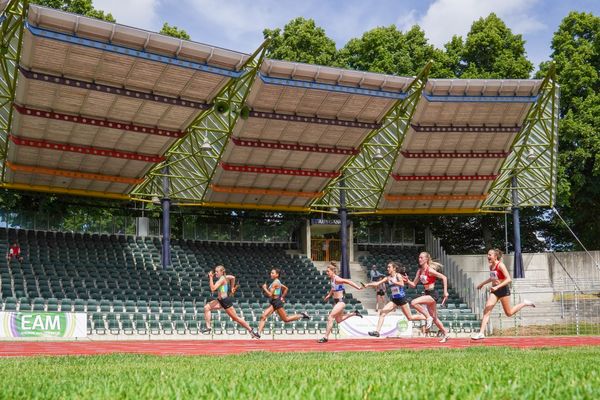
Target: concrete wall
578 264
541 267
305 238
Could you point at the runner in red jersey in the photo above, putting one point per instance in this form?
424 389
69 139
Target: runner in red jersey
500 279
427 274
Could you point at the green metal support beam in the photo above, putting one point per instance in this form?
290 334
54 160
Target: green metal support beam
193 159
366 174
11 39
534 156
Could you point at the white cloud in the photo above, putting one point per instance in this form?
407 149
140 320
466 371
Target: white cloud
239 23
445 18
137 13
352 20
407 21
238 18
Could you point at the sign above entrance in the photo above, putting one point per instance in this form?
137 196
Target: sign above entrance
321 221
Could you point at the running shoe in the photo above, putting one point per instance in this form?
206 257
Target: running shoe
478 336
305 315
445 338
323 340
254 334
529 303
357 313
206 330
429 322
374 333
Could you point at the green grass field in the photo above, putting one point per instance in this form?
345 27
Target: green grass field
474 373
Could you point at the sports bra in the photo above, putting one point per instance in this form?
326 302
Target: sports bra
277 291
426 278
496 273
224 288
337 287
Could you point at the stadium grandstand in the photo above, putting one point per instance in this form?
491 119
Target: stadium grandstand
98 109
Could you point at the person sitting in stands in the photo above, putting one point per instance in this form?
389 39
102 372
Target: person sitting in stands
14 252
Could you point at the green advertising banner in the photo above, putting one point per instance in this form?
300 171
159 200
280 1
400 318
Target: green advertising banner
42 324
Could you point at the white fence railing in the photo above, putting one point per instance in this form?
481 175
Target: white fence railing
572 306
569 312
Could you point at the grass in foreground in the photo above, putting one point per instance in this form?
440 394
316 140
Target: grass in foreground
474 373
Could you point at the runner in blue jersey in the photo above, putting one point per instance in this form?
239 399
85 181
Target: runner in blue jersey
337 292
396 279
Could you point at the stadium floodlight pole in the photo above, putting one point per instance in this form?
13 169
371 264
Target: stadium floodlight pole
518 258
343 213
166 219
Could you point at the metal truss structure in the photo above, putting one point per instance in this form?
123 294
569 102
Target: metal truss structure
186 172
191 162
527 177
12 22
366 174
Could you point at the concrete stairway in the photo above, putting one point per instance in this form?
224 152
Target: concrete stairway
365 296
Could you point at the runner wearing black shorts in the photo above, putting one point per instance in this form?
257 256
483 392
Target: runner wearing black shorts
223 301
276 292
396 279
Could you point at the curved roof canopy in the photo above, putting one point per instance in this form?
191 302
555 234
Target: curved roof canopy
101 109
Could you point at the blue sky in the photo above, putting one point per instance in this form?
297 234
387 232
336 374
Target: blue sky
238 24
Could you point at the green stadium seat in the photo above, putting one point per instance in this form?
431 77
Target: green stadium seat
180 327
127 327
140 327
192 327
321 326
167 327
154 327
99 326
113 327
52 307
24 304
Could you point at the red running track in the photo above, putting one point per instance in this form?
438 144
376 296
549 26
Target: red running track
223 347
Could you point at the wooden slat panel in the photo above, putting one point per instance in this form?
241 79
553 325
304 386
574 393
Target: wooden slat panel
441 113
71 100
299 132
67 132
105 67
448 166
203 86
77 162
69 183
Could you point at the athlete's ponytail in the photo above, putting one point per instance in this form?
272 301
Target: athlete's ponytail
498 253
